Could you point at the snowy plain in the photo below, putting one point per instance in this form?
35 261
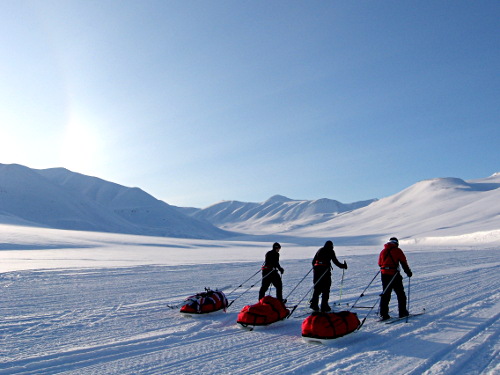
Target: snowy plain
97 303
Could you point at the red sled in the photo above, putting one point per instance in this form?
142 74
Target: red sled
327 326
267 311
205 303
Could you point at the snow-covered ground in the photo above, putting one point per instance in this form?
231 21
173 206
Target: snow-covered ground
90 303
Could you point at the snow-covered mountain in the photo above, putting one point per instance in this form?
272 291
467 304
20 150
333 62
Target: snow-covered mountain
430 209
278 213
59 198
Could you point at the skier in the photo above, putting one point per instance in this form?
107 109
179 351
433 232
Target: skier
322 276
270 273
389 260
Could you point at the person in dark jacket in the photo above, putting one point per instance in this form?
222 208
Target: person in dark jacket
322 275
270 273
390 258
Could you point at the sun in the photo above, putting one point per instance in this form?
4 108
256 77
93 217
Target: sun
80 146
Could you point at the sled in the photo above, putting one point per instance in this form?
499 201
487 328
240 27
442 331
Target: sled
208 302
267 311
323 327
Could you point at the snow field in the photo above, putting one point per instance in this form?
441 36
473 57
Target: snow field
116 320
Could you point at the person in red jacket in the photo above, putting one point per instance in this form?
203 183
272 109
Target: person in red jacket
390 258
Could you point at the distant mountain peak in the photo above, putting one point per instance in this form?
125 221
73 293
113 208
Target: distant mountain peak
278 198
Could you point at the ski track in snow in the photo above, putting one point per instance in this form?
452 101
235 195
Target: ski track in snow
117 321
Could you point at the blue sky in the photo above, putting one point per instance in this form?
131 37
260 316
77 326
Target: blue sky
201 101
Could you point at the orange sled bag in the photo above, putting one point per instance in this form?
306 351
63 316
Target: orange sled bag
205 302
329 325
268 310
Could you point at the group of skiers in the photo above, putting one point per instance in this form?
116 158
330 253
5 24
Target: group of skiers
390 258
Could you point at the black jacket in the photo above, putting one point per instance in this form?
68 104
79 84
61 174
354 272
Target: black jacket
324 256
272 261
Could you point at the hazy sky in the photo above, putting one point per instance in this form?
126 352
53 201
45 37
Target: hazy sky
201 101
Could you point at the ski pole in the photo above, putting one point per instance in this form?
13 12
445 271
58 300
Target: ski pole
341 284
378 301
363 292
408 308
305 295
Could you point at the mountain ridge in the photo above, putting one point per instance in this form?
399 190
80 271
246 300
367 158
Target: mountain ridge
62 199
59 198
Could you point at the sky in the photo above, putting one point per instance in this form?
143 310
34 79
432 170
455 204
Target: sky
197 102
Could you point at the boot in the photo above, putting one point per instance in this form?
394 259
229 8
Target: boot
325 308
313 303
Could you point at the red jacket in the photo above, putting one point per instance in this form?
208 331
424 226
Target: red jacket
390 258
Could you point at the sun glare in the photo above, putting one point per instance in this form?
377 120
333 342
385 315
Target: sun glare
80 147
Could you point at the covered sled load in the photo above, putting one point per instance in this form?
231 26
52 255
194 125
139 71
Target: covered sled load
267 311
326 326
205 302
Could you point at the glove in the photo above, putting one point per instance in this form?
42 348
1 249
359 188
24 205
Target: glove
345 265
409 274
282 271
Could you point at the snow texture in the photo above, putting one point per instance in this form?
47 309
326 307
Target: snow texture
96 303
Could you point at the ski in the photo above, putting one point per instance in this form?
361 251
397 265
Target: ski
394 320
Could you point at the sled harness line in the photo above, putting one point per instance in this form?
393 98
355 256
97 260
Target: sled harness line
300 282
363 292
305 295
378 301
250 287
239 286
